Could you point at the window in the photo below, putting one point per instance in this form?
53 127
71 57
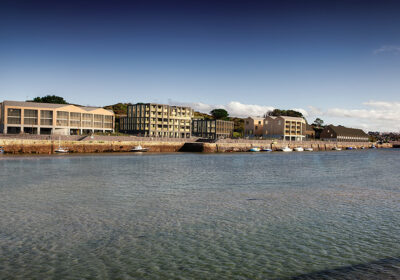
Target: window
30 117
75 119
14 116
87 120
62 118
46 117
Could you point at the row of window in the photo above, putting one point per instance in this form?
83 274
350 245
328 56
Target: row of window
63 118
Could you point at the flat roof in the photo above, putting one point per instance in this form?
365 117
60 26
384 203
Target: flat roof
158 104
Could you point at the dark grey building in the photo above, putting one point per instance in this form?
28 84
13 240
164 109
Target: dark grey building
212 129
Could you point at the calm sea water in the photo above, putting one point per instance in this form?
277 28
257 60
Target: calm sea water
320 215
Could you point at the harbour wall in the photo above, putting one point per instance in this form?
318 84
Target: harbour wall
29 146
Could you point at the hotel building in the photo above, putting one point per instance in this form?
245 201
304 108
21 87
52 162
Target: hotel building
157 120
45 118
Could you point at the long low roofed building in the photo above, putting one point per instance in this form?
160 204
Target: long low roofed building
48 118
343 134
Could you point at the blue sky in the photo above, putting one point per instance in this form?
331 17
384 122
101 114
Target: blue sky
328 58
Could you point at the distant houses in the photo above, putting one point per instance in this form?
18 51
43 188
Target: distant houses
343 134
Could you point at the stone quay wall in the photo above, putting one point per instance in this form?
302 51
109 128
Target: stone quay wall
49 146
245 145
30 146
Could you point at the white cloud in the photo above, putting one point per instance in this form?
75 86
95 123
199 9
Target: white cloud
388 49
378 116
234 108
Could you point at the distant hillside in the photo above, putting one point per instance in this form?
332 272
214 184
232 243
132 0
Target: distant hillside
118 109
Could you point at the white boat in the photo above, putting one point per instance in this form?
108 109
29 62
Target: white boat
139 149
61 150
299 149
286 149
266 150
254 149
337 149
308 149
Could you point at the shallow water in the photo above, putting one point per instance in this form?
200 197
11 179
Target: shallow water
321 215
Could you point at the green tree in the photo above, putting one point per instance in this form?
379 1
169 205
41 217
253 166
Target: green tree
219 114
318 122
50 99
288 113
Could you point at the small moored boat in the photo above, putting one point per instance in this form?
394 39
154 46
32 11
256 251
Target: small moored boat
61 150
266 150
336 149
299 149
254 149
1 150
286 149
139 149
308 149
350 148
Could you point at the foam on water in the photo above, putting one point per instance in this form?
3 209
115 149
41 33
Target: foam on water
188 216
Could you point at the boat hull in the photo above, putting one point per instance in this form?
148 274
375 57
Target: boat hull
266 150
140 150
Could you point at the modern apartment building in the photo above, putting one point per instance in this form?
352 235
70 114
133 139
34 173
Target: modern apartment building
212 129
343 134
285 128
45 118
253 127
157 120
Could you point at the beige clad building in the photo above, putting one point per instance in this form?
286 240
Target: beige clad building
285 128
45 118
253 127
212 129
157 120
